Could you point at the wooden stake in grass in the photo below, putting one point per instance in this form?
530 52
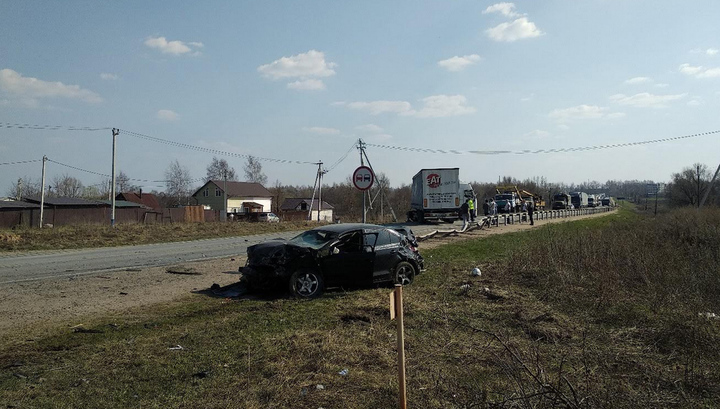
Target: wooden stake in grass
396 311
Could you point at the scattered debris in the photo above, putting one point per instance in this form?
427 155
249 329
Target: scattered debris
303 391
476 272
492 295
79 329
201 374
123 293
182 270
709 315
233 290
465 287
80 382
320 387
176 348
133 269
344 372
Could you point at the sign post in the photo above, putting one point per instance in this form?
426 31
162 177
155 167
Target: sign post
363 178
396 312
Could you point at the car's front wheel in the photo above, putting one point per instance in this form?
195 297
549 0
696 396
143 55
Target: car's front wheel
404 273
306 284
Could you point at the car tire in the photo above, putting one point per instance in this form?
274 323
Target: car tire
306 283
404 273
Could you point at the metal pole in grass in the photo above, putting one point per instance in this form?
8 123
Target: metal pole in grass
396 311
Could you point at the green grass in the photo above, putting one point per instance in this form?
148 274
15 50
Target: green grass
601 312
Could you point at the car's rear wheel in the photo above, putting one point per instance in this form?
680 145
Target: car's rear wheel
404 273
306 283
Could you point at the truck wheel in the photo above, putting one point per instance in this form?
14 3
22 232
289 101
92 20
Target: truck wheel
306 283
404 273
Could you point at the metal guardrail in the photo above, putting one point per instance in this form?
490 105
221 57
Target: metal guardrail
505 219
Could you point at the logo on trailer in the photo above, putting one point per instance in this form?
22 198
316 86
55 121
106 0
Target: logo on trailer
433 180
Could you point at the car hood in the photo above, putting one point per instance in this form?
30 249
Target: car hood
275 253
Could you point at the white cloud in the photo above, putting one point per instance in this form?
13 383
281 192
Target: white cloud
638 80
645 99
579 112
311 64
457 63
174 47
616 115
380 107
711 51
661 85
370 128
436 106
307 85
563 127
440 106
694 103
108 76
379 138
517 30
29 89
506 9
699 72
321 131
167 115
528 98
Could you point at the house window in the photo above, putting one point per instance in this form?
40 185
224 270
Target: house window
218 192
206 192
303 206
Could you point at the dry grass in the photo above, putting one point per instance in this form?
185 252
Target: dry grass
596 313
82 236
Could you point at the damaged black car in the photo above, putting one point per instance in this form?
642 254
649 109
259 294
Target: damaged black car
332 256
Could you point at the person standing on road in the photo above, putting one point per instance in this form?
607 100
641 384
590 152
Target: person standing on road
471 209
530 211
508 207
465 213
486 207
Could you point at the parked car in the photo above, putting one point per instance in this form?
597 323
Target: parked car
330 256
268 217
408 233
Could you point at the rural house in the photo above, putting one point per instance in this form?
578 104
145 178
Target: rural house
145 199
298 209
242 197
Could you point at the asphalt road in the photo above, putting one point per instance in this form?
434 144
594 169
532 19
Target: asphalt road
52 264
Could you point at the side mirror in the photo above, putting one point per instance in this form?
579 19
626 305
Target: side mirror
335 250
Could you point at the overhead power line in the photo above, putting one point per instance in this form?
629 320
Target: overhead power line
208 150
342 158
50 127
106 175
538 151
21 162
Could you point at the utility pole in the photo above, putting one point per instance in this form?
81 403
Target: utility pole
361 147
115 133
698 185
18 193
42 192
320 176
223 217
315 186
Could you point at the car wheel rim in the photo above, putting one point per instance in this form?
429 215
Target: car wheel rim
403 275
307 284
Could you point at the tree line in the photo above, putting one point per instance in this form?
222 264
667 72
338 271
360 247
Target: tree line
686 188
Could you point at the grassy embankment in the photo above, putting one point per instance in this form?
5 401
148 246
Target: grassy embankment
595 313
82 236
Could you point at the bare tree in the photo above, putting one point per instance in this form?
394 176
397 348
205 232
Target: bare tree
689 185
177 181
219 169
67 186
122 183
25 187
253 171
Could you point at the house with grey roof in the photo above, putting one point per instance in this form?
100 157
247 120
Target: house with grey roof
301 208
242 197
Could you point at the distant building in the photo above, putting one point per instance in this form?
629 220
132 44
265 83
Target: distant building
299 208
146 199
242 197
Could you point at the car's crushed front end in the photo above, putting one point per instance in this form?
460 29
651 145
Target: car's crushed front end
269 265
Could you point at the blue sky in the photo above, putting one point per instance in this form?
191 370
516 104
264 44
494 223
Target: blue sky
302 81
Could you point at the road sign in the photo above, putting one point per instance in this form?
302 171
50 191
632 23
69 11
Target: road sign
363 178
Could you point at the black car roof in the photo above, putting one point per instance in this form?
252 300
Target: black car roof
346 227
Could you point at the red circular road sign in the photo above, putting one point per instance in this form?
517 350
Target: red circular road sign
363 178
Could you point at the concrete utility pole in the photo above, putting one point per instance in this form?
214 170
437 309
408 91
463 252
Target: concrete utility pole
320 176
225 206
18 192
361 146
42 192
115 133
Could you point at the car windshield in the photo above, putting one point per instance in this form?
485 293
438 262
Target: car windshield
313 239
503 197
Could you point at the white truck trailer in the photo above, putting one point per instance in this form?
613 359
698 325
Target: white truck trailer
437 195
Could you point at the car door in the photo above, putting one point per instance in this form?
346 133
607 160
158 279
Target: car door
386 255
347 262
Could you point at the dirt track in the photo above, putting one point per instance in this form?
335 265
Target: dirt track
30 308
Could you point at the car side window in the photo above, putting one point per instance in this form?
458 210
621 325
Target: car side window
350 243
383 238
395 238
370 239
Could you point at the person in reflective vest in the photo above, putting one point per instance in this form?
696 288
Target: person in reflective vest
471 207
